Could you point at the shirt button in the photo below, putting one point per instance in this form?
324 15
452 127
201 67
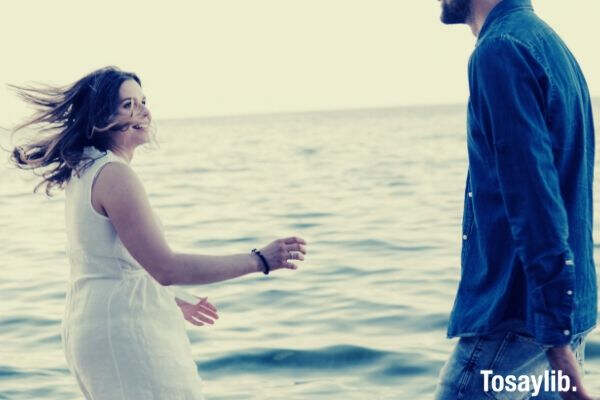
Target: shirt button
569 292
470 194
464 237
567 332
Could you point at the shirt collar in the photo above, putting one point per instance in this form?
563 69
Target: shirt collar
503 8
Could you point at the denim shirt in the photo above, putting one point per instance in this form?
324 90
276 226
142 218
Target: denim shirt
527 249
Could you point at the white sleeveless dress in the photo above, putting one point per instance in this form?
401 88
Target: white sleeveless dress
123 334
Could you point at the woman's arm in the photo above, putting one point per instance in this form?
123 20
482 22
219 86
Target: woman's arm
120 195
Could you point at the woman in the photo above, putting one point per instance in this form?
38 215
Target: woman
122 335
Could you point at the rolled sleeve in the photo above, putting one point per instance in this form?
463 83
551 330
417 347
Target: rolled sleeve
508 91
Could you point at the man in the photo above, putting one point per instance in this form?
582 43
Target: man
527 294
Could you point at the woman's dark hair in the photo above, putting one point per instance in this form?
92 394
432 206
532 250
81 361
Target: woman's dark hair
70 118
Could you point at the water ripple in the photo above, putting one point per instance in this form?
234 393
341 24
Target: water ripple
334 357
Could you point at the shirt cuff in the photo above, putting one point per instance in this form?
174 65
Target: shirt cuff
553 307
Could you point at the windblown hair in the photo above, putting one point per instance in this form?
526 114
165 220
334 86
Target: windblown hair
68 119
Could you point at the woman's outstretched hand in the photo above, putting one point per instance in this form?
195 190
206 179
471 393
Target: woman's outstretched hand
199 313
279 252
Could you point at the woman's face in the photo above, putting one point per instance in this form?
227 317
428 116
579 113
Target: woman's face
133 114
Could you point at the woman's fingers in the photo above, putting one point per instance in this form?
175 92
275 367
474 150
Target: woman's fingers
196 317
296 256
202 318
294 239
206 311
290 265
204 301
296 247
208 305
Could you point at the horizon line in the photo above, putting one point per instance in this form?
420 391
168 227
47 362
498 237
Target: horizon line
595 99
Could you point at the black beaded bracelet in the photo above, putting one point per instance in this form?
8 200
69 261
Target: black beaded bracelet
265 264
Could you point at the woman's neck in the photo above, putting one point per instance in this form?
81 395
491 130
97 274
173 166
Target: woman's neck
125 153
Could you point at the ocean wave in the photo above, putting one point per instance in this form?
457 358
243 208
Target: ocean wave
319 359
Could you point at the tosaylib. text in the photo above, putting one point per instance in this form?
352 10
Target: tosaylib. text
550 381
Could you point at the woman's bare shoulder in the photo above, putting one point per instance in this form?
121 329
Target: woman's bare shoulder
117 186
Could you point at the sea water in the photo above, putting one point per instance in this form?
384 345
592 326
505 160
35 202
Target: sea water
376 193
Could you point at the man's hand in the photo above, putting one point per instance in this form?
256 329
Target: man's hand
563 359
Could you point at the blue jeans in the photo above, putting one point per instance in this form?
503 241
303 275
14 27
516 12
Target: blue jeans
506 353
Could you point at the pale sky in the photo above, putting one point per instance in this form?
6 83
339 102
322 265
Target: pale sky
201 58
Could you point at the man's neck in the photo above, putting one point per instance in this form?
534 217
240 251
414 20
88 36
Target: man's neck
479 12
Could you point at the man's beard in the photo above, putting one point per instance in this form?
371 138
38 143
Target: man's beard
456 11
